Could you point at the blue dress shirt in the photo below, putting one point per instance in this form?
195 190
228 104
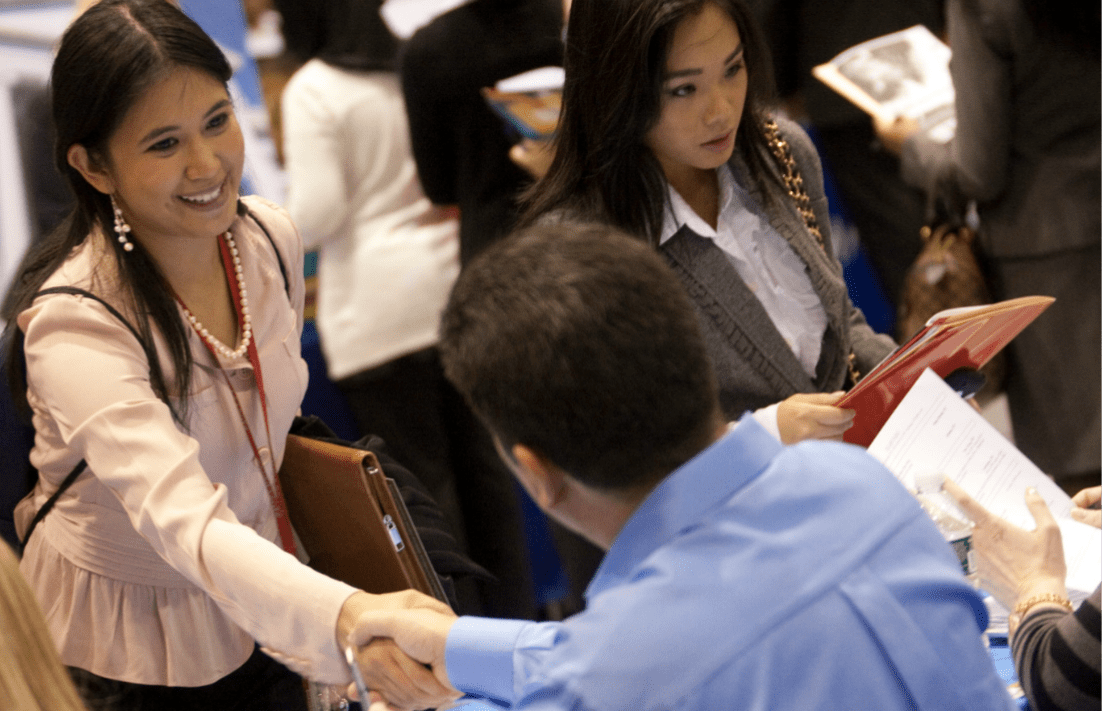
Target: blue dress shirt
754 577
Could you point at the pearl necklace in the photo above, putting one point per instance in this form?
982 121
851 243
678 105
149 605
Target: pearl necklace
246 328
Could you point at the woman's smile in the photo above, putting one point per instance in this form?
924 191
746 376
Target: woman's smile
175 162
203 199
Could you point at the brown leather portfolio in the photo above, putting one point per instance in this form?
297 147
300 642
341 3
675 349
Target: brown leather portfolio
351 519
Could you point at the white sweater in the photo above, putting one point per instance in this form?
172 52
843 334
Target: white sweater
387 257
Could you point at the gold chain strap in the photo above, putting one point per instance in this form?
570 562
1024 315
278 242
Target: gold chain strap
794 184
793 181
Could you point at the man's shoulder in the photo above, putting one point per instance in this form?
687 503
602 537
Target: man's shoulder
839 472
751 582
267 226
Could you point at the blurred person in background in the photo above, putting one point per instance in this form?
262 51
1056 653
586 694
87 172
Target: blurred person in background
387 258
1028 150
887 212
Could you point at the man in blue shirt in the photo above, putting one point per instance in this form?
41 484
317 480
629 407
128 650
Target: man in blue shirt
740 574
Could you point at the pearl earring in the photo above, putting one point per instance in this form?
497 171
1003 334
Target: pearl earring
121 228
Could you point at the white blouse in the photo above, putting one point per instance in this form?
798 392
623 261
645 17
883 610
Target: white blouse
161 564
767 264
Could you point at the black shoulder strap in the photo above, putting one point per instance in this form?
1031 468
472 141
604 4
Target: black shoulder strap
243 209
81 465
41 513
75 291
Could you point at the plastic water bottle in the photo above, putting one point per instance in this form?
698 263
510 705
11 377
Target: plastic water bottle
953 523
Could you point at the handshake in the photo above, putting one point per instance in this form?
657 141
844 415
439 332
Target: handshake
398 641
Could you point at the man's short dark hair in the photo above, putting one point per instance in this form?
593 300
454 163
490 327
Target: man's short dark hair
578 342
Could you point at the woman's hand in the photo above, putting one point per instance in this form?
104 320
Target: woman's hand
1086 506
404 682
812 416
893 134
1014 564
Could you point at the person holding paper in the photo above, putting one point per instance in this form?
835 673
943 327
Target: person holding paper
1087 506
1028 150
465 158
387 258
739 573
887 212
461 146
1056 651
664 134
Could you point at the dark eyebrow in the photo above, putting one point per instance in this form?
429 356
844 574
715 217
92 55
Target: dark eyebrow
168 129
693 72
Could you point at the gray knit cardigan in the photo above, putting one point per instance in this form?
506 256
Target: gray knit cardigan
754 366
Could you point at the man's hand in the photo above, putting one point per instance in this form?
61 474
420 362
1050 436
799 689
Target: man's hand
812 416
404 684
402 681
1086 506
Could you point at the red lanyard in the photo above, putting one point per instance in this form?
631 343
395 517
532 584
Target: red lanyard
275 492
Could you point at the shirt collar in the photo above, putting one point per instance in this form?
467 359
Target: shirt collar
678 214
683 497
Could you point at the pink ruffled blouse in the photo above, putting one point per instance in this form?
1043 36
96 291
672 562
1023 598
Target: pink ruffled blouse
161 564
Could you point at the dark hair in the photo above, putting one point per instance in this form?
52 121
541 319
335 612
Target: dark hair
349 34
108 58
615 60
579 342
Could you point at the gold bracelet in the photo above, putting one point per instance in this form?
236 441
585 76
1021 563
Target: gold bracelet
1023 607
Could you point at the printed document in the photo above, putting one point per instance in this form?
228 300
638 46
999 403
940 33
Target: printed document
934 430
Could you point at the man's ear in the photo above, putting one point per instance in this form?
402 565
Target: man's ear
543 480
96 175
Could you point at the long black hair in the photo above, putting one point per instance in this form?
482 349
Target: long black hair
349 34
615 60
108 58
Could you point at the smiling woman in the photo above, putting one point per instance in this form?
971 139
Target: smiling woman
149 322
178 148
172 169
665 134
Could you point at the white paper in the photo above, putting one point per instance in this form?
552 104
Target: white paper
541 79
404 17
933 429
905 73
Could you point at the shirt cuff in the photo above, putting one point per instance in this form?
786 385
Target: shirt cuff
479 656
767 418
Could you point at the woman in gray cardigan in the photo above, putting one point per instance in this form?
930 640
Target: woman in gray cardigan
663 133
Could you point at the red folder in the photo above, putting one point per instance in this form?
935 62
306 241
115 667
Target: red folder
956 338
